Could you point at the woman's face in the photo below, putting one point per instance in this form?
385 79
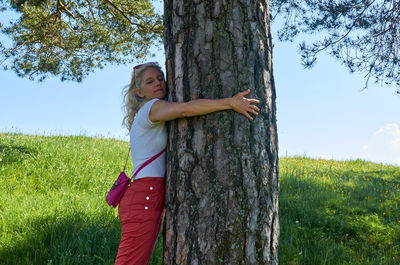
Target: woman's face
152 85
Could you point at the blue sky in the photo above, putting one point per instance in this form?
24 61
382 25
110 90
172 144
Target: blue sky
321 112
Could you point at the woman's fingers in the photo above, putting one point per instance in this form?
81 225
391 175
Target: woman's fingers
248 111
244 93
254 112
255 107
247 115
252 100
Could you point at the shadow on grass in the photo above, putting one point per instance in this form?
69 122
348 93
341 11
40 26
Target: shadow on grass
65 240
12 153
340 223
69 240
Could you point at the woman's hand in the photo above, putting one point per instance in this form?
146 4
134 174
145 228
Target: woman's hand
244 105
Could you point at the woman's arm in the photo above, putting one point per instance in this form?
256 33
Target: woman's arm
163 110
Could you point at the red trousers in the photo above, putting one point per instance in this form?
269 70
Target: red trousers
141 211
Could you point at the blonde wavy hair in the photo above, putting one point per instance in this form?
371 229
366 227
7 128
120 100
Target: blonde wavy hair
131 101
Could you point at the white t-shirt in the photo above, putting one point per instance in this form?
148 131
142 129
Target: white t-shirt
146 140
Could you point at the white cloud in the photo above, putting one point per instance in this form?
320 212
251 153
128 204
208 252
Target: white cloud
384 145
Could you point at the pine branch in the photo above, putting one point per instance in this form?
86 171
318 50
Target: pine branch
123 13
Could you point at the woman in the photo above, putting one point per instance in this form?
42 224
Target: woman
141 208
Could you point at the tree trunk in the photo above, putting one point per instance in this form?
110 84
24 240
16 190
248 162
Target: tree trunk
222 169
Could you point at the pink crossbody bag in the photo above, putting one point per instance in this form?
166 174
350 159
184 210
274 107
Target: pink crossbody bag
119 187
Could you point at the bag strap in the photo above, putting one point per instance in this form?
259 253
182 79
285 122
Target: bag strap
126 160
148 162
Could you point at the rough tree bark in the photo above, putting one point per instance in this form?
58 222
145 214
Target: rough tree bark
222 169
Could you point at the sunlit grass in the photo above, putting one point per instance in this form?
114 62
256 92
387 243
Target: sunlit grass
52 206
53 210
335 212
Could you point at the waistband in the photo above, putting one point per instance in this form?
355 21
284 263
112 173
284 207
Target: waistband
149 179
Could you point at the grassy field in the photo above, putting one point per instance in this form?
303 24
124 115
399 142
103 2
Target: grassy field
335 212
53 210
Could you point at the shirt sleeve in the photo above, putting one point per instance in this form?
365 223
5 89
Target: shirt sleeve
144 112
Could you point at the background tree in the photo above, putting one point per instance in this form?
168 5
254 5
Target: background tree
70 39
222 169
362 34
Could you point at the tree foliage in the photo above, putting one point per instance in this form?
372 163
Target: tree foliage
363 34
70 39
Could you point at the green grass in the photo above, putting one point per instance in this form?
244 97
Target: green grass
335 212
53 210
